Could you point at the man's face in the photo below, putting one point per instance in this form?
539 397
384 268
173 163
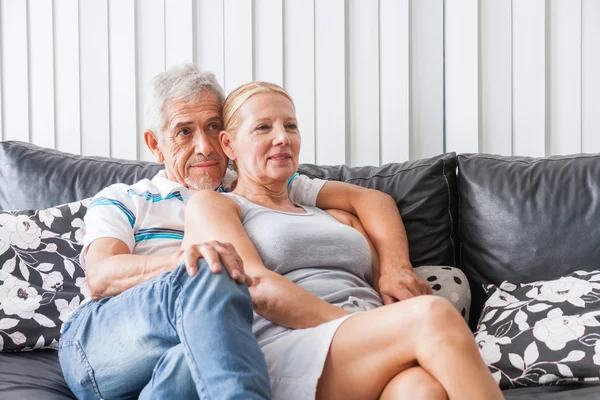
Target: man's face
190 143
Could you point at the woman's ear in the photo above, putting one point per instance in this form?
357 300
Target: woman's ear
227 144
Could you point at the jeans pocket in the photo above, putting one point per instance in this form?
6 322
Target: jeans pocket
77 371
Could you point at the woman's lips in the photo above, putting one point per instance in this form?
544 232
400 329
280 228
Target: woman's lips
280 157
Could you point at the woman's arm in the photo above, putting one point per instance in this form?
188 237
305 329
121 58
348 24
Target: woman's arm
211 216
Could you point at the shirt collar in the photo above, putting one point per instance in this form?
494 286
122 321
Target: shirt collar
166 186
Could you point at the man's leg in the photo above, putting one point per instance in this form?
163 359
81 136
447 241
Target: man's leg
110 348
171 378
449 283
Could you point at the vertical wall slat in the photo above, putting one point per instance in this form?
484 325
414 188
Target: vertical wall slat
427 78
565 76
95 109
150 58
66 75
268 41
496 77
394 79
299 66
590 77
529 78
124 134
15 80
179 44
41 72
237 42
330 82
363 67
209 40
462 75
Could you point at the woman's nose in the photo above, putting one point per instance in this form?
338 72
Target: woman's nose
281 136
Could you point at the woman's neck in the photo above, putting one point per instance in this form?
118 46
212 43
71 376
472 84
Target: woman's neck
273 195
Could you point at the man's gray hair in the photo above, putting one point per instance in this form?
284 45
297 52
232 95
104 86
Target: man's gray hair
180 83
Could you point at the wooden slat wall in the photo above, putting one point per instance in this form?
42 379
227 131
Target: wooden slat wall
373 81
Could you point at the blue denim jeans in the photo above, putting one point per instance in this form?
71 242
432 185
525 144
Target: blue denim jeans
173 337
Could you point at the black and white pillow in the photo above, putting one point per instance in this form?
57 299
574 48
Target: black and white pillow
41 280
544 332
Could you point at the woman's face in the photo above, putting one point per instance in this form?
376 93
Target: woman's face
267 143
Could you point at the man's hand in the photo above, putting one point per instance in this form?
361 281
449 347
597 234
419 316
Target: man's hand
400 283
214 253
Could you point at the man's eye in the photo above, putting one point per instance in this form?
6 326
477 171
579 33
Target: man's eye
183 132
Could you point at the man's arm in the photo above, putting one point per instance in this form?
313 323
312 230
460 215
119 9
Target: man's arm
111 268
379 215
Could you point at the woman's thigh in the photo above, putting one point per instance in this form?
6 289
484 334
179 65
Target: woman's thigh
372 347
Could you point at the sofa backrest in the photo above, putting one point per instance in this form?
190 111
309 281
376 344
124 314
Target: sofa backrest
524 219
32 177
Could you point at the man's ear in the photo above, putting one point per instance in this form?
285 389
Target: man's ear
225 140
153 144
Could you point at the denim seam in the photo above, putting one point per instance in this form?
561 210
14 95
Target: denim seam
88 368
179 315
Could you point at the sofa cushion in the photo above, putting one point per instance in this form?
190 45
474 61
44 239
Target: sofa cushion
426 196
32 376
544 332
41 280
33 177
525 219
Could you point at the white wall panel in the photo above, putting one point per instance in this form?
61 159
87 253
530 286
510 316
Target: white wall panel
590 84
179 46
330 78
123 96
427 78
66 75
209 37
394 79
299 77
237 43
95 108
565 77
41 72
268 41
462 75
15 83
529 78
150 57
363 66
496 77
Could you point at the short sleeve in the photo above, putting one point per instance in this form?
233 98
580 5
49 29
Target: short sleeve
110 214
304 190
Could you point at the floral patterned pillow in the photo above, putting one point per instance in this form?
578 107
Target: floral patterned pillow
41 280
544 332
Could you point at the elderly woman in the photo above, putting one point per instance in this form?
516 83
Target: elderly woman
311 274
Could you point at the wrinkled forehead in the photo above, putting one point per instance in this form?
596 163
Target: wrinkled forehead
206 105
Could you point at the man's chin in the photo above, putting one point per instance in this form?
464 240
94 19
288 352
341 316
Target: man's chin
202 183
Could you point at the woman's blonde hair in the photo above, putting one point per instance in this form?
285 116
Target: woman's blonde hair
240 95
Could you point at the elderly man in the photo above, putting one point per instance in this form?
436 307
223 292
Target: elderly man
165 321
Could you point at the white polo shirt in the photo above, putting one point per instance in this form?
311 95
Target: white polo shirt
148 216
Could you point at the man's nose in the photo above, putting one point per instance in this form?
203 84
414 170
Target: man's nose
203 145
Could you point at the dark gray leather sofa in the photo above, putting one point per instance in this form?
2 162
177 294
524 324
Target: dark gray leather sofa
523 219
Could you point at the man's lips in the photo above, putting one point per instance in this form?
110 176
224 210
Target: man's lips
205 164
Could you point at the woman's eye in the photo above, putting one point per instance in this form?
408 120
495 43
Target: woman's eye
262 127
292 127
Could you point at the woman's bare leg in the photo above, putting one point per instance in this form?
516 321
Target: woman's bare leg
413 383
370 349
